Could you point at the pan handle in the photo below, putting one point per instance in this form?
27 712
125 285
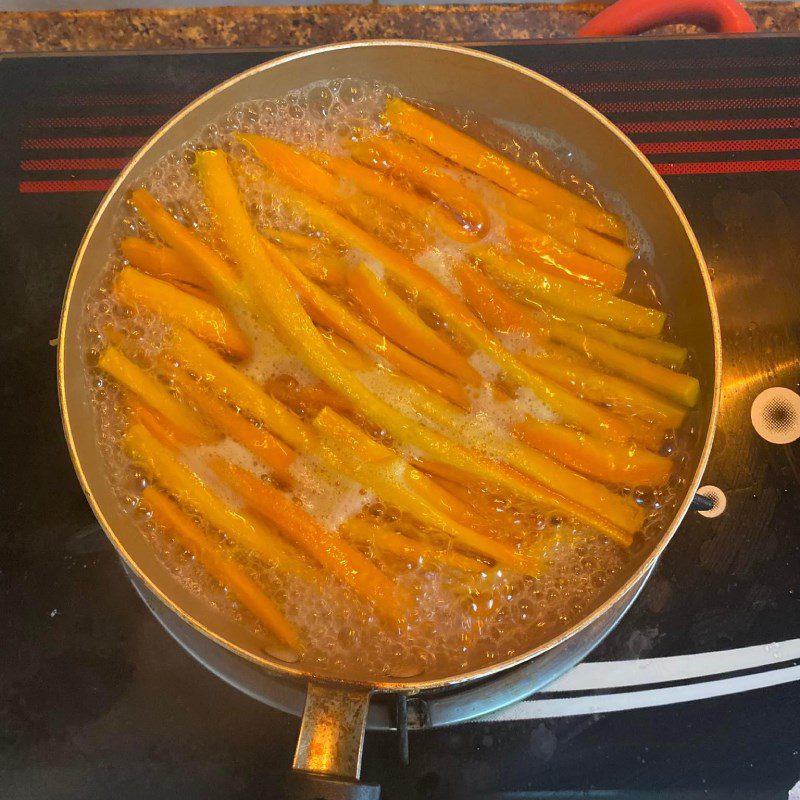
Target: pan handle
626 17
327 762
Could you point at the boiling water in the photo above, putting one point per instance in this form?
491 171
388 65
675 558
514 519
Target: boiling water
461 620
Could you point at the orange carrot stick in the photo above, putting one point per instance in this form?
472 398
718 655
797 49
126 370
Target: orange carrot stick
497 309
604 461
565 295
333 553
382 186
157 424
380 536
237 388
476 157
306 399
391 315
155 395
160 464
216 271
161 262
405 163
621 396
501 312
326 310
564 230
374 216
169 515
324 269
455 311
544 252
172 304
259 441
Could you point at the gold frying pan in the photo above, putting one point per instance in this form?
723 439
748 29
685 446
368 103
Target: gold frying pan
330 744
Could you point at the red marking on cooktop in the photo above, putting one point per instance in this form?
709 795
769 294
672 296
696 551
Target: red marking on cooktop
58 187
718 146
576 65
130 99
771 81
57 164
723 167
717 104
83 142
688 125
98 121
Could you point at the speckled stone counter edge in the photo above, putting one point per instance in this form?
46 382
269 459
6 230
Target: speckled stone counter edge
225 27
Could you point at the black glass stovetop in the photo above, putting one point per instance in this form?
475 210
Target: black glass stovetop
97 702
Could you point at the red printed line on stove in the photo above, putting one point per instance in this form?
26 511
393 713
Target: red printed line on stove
131 99
728 167
763 82
756 62
84 142
65 186
716 104
98 121
58 164
689 125
718 146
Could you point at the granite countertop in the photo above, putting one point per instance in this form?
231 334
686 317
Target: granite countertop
226 27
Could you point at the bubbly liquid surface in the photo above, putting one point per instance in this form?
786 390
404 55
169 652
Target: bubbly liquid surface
460 620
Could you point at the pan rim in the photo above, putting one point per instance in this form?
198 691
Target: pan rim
404 686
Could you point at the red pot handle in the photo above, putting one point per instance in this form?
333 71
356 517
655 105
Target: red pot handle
635 16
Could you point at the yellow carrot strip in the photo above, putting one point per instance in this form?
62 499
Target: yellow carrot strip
381 537
260 442
665 353
391 315
543 252
684 389
554 236
500 312
325 269
161 465
588 502
603 461
528 240
220 567
476 157
616 516
283 160
390 479
155 395
281 306
227 382
214 269
383 187
404 162
161 262
569 296
333 553
622 396
296 241
326 310
564 230
453 310
205 320
351 357
583 499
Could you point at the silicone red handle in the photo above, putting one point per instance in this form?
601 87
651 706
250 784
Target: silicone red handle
635 16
